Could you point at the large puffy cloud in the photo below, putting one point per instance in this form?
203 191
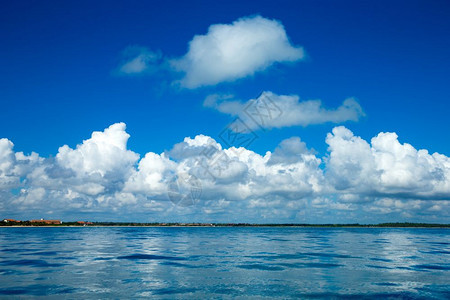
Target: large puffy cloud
270 110
80 178
385 167
232 51
105 153
355 180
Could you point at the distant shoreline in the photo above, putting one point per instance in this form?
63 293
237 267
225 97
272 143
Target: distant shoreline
261 226
241 225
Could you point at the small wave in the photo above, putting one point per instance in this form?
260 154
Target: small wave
386 284
330 295
332 255
150 257
432 267
377 267
261 267
322 265
31 262
381 259
174 291
176 264
43 253
37 290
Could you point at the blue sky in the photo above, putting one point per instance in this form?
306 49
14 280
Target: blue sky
63 78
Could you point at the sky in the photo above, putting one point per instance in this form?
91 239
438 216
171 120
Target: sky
224 111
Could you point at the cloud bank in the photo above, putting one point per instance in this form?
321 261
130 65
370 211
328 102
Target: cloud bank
102 176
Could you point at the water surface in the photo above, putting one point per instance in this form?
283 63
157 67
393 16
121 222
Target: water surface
219 262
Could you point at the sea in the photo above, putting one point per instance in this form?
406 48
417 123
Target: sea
224 263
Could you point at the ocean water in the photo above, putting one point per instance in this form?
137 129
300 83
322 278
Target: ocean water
223 263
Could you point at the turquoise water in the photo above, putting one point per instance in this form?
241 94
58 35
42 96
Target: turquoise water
217 263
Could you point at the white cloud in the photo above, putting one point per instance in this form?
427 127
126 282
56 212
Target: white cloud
95 170
270 110
7 161
241 174
139 60
105 153
151 176
101 174
289 151
227 52
14 165
385 167
356 179
232 51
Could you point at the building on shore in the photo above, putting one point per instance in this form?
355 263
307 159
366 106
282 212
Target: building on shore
84 223
11 221
49 222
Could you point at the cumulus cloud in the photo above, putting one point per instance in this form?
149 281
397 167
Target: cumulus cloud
102 176
289 151
231 51
7 160
270 110
151 176
14 165
385 167
80 178
105 153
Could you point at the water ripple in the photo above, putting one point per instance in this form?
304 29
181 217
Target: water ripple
216 263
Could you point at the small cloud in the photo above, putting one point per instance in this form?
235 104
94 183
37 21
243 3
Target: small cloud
139 60
213 99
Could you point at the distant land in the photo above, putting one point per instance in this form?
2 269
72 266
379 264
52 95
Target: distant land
57 223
